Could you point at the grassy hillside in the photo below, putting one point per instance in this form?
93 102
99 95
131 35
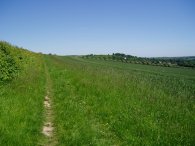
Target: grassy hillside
22 90
94 101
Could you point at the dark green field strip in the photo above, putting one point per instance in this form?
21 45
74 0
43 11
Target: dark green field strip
187 73
100 105
174 85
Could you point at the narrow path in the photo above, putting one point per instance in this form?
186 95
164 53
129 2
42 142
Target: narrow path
48 126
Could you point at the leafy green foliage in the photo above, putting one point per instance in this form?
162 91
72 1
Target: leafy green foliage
8 66
12 60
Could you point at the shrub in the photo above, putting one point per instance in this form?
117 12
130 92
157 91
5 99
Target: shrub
8 66
12 60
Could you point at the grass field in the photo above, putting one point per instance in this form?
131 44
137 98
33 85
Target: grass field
98 102
109 103
21 110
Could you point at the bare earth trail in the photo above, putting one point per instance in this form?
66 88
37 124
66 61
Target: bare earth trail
48 126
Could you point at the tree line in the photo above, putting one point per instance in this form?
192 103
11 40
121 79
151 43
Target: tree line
158 61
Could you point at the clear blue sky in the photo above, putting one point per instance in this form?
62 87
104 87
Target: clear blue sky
137 27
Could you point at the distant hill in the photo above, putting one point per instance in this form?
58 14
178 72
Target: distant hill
187 61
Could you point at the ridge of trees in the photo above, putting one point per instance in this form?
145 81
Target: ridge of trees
158 61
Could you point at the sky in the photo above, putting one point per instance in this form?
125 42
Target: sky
146 28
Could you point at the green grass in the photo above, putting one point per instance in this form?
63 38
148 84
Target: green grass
180 72
21 107
97 102
109 103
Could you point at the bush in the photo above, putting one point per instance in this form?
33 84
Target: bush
8 66
12 60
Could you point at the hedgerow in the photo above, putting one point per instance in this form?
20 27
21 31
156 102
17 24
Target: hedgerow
12 60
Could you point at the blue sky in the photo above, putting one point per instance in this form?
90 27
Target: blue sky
137 27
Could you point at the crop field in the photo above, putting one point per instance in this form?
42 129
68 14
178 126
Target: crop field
97 102
109 103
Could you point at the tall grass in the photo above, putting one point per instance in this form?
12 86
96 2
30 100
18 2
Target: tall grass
21 107
98 102
113 104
